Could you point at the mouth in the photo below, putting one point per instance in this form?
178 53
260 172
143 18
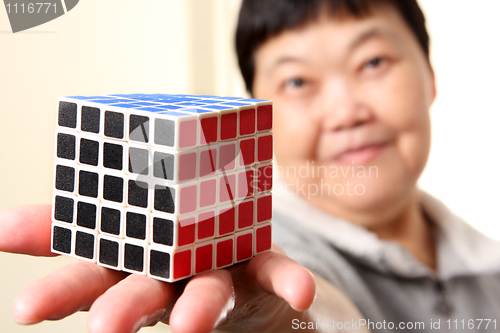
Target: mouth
361 155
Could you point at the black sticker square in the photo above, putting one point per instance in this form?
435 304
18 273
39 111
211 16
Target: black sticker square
163 231
163 166
136 225
112 156
63 209
84 245
88 184
86 215
133 257
91 119
113 188
65 178
89 152
114 124
165 132
139 128
109 252
67 114
138 193
66 146
110 220
138 160
61 239
159 264
164 199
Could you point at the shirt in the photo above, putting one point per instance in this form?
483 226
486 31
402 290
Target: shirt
386 282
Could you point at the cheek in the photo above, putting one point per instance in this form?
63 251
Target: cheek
404 106
295 135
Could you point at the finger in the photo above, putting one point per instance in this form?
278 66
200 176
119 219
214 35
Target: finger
66 290
275 273
135 302
26 230
205 302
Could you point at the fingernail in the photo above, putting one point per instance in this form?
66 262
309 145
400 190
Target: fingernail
149 320
226 310
24 321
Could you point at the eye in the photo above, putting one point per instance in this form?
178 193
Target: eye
375 62
295 83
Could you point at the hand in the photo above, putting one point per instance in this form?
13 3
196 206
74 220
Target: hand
266 291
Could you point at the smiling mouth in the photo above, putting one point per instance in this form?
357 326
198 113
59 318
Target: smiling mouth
360 155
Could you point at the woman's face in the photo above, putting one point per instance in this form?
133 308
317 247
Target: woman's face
351 122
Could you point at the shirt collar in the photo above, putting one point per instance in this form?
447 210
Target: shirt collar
461 249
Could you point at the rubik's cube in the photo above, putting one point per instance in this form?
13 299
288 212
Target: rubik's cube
163 185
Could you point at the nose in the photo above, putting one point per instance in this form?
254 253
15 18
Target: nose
343 106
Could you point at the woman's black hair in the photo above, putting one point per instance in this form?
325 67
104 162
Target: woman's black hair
260 20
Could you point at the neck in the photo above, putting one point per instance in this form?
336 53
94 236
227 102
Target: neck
413 231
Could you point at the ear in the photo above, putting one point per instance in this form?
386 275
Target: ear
433 84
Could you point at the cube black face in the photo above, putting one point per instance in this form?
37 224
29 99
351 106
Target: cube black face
113 188
136 225
86 215
114 123
110 220
138 161
61 239
159 264
109 252
91 119
88 184
164 199
63 209
84 245
163 166
66 146
65 178
163 231
133 257
112 156
89 152
164 132
139 128
67 114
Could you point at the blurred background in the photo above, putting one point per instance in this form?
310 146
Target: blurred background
173 46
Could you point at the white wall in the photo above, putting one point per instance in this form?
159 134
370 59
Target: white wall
464 166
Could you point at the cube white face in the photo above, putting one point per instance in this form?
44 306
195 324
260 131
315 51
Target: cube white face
163 185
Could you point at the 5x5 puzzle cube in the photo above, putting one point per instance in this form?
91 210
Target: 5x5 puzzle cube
163 185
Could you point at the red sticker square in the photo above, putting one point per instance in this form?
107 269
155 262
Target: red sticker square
227 221
206 225
245 184
244 247
186 231
245 214
265 148
263 239
264 208
247 121
247 151
208 130
187 166
182 264
224 253
204 258
228 126
264 118
208 160
265 178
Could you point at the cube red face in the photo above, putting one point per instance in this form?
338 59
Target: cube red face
163 185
